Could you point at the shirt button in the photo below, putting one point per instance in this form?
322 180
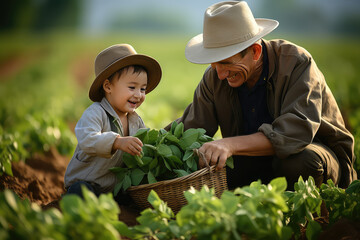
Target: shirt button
253 110
272 134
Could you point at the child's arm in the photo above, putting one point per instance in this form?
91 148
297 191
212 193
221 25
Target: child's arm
131 145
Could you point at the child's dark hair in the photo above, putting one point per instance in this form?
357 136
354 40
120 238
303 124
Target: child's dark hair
136 69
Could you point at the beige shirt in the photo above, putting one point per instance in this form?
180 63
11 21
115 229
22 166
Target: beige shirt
92 157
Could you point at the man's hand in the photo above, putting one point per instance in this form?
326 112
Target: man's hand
217 151
131 145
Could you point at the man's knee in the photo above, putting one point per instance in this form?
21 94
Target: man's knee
315 160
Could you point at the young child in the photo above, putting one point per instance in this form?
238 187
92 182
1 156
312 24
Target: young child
104 131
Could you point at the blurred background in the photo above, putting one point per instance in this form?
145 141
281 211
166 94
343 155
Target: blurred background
47 51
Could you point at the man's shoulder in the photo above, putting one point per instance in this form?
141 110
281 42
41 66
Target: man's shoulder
281 47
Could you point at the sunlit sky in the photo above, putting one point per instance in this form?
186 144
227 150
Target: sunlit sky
98 14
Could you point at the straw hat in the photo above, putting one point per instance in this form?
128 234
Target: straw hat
119 56
229 28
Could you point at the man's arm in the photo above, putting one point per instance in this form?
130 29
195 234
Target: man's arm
218 151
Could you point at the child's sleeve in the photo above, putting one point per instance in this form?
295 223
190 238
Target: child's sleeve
90 133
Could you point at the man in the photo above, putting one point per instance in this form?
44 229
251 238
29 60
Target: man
276 113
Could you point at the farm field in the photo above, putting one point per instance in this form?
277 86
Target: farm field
44 82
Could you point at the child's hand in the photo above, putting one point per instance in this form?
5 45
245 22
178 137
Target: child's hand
131 145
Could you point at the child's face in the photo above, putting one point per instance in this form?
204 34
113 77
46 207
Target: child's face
127 92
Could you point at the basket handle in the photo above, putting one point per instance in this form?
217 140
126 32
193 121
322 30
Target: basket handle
202 157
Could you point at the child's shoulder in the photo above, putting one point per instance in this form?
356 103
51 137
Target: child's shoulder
94 110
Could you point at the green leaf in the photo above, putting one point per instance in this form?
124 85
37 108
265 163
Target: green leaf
167 164
176 160
188 154
173 126
117 170
147 160
162 131
151 178
117 187
153 163
129 160
191 163
179 130
126 182
7 167
10 199
176 151
136 176
141 133
152 136
138 160
354 187
188 139
164 150
313 230
230 162
194 145
172 138
180 172
279 184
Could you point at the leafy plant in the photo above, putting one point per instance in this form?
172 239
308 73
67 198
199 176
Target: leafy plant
303 203
165 155
254 211
10 150
341 203
91 218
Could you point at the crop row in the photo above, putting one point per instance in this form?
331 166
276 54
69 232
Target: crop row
256 211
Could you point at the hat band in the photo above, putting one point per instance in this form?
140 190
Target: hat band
244 38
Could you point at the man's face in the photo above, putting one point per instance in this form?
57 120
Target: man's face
236 69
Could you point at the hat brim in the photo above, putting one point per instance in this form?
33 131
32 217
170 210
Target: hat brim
151 65
195 51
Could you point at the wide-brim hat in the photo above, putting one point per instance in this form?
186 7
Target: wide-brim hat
119 56
229 28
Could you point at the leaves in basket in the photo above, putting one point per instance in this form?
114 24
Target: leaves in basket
165 155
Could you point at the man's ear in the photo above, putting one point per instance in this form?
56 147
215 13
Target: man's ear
107 86
257 50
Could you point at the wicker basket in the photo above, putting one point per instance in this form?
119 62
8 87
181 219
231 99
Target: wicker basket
172 191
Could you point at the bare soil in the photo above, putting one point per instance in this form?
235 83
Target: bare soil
41 180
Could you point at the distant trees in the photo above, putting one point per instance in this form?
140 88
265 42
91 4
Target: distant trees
39 15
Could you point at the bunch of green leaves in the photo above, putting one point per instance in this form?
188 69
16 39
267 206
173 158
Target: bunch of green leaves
154 223
261 208
10 150
255 211
341 203
303 203
91 218
165 155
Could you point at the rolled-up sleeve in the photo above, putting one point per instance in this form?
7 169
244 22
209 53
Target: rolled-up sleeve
300 111
89 133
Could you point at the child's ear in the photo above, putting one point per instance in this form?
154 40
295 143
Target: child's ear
106 86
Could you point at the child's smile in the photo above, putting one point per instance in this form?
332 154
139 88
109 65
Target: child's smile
126 92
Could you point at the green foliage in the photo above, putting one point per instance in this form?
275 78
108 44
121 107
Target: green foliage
341 203
10 151
303 203
91 218
165 155
256 211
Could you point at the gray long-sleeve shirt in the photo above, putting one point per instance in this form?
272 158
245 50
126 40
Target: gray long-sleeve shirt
92 157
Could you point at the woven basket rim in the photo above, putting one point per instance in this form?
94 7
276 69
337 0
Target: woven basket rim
191 176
